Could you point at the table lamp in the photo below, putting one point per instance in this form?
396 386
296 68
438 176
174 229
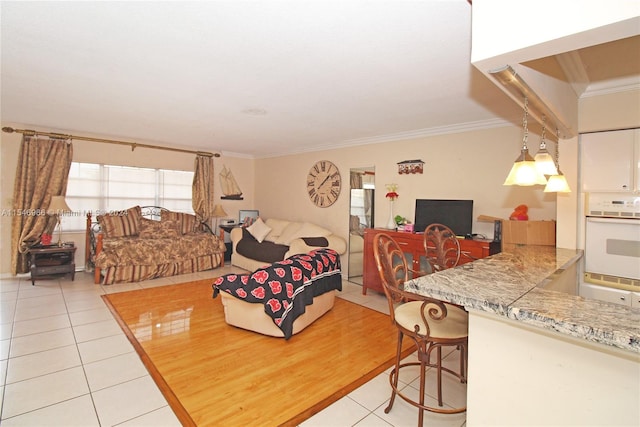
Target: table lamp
218 212
57 207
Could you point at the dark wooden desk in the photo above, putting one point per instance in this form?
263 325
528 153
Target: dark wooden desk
52 260
413 248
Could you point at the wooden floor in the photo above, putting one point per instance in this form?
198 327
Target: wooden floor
215 374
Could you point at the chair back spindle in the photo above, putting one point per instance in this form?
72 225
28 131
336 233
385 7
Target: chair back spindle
441 246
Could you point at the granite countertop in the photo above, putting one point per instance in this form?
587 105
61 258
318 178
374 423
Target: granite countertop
513 284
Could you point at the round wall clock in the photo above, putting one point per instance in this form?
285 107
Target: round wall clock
324 183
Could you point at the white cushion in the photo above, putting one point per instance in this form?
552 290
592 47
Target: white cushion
259 229
277 227
296 230
455 325
289 233
356 243
312 230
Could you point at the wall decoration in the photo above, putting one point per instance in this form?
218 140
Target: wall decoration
324 183
410 166
230 187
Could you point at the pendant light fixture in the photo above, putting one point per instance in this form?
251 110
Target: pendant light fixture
557 183
524 171
544 161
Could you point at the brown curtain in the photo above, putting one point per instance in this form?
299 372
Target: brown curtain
355 179
42 172
202 190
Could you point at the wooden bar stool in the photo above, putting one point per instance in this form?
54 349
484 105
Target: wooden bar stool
430 323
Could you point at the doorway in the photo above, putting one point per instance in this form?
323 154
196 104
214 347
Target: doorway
361 215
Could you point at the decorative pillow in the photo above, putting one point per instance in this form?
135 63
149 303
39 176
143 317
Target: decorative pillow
289 233
321 242
121 224
267 252
277 227
259 229
187 223
312 230
150 229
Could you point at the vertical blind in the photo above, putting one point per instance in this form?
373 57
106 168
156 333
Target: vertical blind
102 188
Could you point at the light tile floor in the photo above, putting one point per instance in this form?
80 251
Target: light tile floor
65 361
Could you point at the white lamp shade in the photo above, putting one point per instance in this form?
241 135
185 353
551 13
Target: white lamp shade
58 206
557 184
545 163
524 172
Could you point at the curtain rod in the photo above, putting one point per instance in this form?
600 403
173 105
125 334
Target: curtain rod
133 145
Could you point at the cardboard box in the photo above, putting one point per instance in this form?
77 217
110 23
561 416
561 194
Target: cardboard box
529 232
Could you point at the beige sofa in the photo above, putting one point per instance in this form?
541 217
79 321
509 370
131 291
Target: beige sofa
279 239
356 246
356 255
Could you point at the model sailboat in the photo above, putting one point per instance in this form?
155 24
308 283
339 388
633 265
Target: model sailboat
230 187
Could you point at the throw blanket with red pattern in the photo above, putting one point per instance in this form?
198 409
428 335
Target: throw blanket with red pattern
286 287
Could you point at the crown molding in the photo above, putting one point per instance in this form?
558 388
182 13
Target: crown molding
413 134
626 84
573 67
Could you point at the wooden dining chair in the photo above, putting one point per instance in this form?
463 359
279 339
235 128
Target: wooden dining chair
441 246
431 324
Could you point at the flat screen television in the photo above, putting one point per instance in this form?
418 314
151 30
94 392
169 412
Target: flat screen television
455 214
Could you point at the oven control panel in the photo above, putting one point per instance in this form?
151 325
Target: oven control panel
614 205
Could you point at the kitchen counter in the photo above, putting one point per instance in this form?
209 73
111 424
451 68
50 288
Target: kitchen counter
538 354
518 284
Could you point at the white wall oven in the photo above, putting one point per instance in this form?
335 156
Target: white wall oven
612 247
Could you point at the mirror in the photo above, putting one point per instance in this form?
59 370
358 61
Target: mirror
361 214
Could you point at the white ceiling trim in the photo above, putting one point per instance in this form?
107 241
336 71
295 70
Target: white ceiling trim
399 136
627 84
574 68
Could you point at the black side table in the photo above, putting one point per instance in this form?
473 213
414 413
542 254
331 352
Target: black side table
223 229
52 260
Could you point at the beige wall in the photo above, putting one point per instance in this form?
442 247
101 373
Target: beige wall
464 165
469 165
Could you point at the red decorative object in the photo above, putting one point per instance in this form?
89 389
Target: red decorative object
520 213
391 195
45 239
391 191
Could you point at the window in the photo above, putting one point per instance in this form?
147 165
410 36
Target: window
101 188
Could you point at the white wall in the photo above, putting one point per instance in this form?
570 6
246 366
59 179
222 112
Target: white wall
610 111
526 30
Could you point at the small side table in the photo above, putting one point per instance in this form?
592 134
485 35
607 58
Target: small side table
52 260
223 229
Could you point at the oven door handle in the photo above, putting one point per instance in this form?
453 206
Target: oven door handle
613 220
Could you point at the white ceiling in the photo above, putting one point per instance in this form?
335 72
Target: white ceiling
254 78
